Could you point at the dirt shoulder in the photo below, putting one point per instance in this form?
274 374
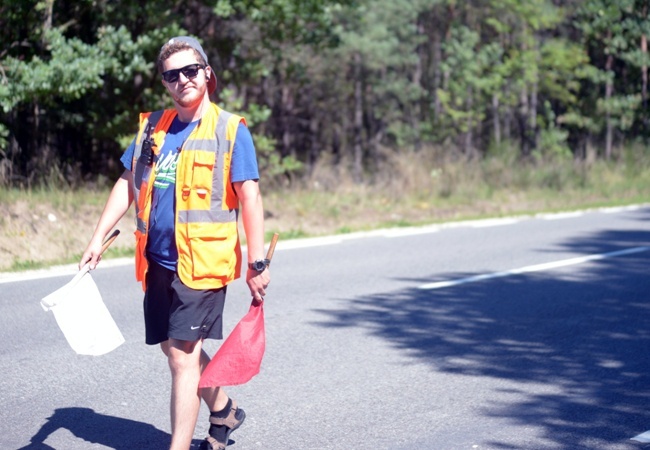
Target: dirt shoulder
34 235
44 233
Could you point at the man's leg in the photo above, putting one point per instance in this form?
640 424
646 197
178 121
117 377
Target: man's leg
216 397
225 416
184 359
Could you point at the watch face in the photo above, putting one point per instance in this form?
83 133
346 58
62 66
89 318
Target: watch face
258 265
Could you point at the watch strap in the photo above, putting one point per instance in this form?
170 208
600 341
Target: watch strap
253 265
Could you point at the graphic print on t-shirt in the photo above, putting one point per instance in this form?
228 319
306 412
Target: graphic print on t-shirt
161 246
166 170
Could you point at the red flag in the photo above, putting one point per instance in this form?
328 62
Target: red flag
240 356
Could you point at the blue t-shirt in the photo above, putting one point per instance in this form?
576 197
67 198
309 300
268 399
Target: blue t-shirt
161 242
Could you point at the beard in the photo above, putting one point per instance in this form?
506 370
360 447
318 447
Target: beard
189 97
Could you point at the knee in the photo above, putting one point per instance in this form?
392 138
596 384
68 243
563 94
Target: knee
178 361
182 359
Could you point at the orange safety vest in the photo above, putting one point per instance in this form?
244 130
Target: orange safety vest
207 238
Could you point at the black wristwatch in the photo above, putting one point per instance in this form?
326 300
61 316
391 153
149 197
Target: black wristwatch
258 265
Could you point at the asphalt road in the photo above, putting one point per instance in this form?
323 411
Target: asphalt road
529 333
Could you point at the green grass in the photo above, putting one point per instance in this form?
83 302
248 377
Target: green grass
55 196
285 235
414 189
421 188
19 265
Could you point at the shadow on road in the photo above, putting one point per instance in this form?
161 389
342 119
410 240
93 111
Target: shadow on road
582 329
92 427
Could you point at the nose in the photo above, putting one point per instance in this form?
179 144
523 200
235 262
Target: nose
182 78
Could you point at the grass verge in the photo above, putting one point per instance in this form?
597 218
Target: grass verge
40 228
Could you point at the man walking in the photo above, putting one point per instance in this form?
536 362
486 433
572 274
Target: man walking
189 172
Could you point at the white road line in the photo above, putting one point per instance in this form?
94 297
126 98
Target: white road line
560 215
643 437
9 277
533 268
410 231
307 242
617 209
58 271
494 222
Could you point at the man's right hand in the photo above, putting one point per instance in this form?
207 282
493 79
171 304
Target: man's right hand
92 255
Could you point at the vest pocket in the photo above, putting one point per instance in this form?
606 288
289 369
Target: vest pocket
195 198
210 251
197 193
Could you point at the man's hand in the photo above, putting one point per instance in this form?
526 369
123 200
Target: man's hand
258 282
92 254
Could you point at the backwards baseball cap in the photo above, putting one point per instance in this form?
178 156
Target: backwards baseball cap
212 82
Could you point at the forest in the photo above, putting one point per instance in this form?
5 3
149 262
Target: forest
344 83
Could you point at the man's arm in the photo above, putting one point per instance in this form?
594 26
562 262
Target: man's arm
117 205
252 212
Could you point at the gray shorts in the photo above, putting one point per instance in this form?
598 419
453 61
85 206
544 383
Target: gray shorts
173 310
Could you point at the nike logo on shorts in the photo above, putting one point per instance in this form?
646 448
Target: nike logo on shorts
195 328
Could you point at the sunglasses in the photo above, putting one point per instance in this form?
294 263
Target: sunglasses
171 76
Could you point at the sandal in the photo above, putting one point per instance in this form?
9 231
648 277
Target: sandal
233 421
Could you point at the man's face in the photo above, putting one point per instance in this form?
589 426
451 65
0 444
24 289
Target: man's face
186 91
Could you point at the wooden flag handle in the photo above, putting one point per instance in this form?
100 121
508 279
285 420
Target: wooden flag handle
109 240
269 253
